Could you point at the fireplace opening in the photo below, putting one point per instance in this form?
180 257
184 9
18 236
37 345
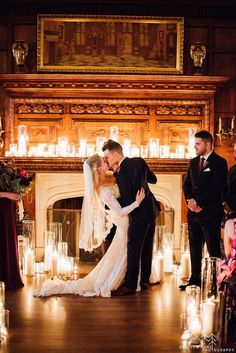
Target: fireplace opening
68 211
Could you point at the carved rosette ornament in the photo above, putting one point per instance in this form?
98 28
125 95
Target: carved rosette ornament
198 54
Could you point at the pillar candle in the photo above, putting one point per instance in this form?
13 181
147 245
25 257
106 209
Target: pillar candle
220 124
195 327
54 264
232 123
157 273
29 262
168 260
208 317
185 265
47 257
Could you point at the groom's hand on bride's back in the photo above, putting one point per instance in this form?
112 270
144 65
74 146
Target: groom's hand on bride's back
140 195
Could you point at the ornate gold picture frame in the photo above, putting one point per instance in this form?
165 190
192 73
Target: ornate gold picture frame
117 44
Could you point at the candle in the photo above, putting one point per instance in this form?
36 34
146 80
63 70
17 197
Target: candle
75 270
47 257
127 147
0 123
195 327
157 273
154 148
168 260
185 265
208 317
99 144
135 152
29 262
220 124
83 148
114 133
232 123
54 264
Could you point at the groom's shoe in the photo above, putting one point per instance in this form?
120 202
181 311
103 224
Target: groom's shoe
122 290
192 282
144 285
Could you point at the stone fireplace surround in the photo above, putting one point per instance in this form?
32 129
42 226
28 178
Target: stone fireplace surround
51 187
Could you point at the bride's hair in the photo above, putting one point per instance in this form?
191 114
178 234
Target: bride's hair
99 179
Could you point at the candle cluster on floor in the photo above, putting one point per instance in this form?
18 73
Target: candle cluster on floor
4 313
56 260
200 322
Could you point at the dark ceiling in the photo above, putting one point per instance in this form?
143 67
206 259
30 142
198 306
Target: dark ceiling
197 9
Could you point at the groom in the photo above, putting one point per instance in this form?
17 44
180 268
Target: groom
131 175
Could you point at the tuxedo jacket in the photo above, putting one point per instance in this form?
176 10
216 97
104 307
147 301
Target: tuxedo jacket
229 194
132 175
206 186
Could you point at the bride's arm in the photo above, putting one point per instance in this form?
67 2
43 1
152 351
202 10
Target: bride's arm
110 200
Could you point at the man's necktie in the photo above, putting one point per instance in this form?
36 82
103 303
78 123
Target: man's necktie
201 164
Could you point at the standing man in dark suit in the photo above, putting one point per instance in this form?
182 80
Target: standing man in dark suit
131 175
202 189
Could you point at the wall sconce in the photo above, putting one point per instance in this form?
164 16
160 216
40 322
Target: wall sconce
198 54
20 51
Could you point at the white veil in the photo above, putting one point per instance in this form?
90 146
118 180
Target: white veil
93 223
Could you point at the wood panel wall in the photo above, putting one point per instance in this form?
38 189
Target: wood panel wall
213 24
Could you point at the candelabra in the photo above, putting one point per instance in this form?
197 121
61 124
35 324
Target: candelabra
1 132
226 134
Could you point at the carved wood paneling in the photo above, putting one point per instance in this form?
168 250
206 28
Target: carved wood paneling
86 106
174 134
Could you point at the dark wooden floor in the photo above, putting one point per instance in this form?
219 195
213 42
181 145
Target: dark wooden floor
147 322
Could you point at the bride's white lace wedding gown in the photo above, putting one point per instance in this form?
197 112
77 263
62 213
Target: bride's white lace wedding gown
109 273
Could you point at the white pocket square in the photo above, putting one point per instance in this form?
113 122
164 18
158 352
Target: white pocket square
207 170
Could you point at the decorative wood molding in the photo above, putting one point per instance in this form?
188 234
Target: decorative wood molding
36 165
105 82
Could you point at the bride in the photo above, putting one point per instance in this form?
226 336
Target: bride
96 221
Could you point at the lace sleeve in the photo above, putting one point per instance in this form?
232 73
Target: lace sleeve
110 200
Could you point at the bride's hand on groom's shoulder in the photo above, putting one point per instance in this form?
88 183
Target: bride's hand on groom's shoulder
140 195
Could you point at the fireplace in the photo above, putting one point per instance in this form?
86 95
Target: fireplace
51 187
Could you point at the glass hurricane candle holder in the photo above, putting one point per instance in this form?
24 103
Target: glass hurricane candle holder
195 330
192 299
209 274
29 233
56 227
168 252
210 298
185 263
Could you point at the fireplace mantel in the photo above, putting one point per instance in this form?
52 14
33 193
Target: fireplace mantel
85 106
74 165
136 86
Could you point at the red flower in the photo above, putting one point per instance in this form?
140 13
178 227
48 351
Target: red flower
22 173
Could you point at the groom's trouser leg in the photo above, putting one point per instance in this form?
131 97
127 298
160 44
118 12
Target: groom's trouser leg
146 255
136 236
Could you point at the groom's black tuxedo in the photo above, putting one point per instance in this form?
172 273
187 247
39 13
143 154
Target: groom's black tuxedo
132 175
205 187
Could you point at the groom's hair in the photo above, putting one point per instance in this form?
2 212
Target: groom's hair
112 145
205 135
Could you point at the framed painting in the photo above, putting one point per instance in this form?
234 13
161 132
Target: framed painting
110 44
